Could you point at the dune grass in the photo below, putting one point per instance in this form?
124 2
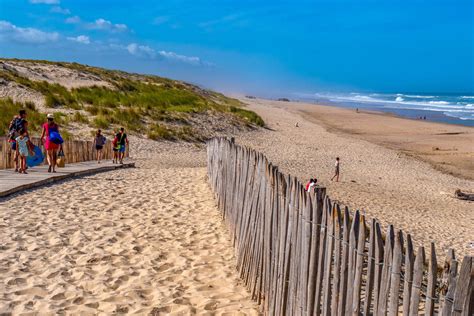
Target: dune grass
135 100
247 115
10 108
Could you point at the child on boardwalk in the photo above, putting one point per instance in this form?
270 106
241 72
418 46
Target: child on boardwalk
336 170
23 149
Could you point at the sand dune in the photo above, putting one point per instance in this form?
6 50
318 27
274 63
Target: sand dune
145 240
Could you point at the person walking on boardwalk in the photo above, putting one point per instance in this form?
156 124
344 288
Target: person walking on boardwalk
49 137
18 123
23 146
122 142
99 142
336 170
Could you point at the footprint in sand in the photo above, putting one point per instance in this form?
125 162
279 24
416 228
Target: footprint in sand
59 296
17 281
37 291
211 305
157 311
78 301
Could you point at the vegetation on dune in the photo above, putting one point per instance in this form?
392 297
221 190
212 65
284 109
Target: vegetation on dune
9 108
132 100
250 116
157 131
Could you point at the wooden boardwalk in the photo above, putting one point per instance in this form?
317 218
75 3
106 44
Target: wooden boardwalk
12 182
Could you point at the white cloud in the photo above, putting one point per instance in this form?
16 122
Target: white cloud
102 24
144 51
11 32
224 19
58 9
192 60
45 1
73 20
83 39
141 50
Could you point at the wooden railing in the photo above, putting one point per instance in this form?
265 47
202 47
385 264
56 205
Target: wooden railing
301 254
74 150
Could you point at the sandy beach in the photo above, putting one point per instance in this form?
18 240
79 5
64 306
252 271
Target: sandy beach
150 240
386 170
145 241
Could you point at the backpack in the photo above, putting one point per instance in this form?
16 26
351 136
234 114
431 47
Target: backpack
16 125
103 140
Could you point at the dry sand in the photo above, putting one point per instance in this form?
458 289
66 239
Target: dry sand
144 240
150 239
376 177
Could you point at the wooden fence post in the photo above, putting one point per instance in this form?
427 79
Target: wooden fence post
298 256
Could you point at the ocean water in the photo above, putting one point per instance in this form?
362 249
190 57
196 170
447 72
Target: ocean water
445 108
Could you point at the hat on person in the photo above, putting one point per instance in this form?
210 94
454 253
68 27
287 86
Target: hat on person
50 116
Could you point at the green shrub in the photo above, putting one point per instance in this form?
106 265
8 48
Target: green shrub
157 131
129 118
101 122
52 101
94 110
249 116
74 106
60 118
9 108
183 109
79 118
66 134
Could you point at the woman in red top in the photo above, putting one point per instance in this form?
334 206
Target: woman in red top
51 148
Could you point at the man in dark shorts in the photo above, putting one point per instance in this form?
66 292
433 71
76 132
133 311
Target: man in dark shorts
122 143
16 125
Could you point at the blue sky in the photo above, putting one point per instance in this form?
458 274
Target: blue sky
267 48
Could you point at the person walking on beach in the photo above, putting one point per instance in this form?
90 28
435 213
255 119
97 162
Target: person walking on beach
17 124
51 147
336 170
99 142
23 149
122 142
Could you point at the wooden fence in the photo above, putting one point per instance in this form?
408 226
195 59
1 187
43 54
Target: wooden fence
301 254
74 150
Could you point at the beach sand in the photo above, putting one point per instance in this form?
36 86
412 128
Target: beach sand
151 240
377 177
144 240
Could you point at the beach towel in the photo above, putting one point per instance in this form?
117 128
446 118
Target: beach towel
36 159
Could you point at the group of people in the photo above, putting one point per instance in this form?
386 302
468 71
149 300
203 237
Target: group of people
119 144
313 183
52 141
23 147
